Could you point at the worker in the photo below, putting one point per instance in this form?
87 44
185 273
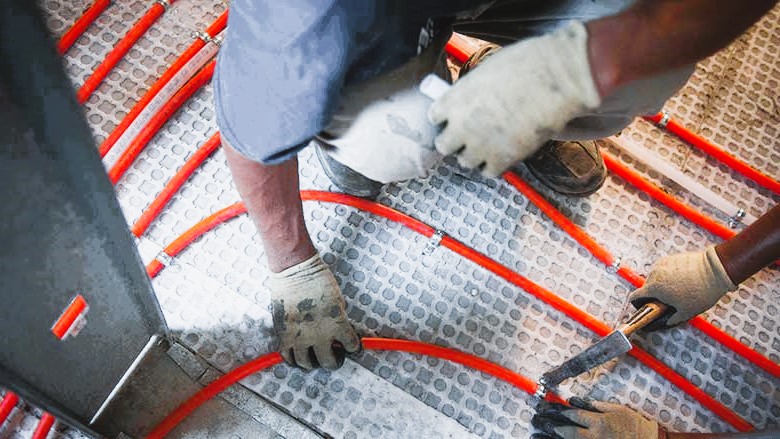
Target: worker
344 73
689 283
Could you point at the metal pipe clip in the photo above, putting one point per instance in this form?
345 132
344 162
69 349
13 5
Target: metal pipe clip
164 3
203 36
737 218
664 119
541 391
164 258
433 242
615 266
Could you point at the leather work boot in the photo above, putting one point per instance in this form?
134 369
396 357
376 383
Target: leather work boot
570 168
345 178
477 57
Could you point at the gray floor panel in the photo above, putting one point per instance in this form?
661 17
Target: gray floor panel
215 298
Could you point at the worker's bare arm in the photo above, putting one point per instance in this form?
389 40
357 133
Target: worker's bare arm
271 195
655 36
308 309
691 283
752 249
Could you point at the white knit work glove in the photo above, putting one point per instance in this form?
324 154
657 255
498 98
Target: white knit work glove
690 282
591 420
515 100
309 316
390 140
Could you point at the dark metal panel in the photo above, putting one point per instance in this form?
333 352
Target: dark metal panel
62 232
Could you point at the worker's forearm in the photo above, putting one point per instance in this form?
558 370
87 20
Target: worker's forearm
752 249
271 195
655 36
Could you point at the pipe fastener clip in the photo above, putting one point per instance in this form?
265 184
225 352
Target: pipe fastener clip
737 218
203 36
164 258
433 242
541 391
664 119
164 3
615 265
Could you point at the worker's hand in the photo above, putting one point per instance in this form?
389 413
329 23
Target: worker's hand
515 100
691 283
591 420
309 316
390 140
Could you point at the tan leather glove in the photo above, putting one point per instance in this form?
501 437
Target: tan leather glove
690 282
516 100
309 316
591 420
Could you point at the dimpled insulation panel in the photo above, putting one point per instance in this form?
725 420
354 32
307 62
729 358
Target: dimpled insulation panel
216 299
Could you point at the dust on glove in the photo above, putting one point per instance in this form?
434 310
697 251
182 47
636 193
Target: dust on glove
691 283
309 316
517 99
591 420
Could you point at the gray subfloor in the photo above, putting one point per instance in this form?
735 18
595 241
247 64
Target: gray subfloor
215 298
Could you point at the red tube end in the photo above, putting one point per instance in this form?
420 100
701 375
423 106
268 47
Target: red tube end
7 405
72 318
44 426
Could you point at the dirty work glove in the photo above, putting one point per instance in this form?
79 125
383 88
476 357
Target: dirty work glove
516 100
691 283
309 316
591 420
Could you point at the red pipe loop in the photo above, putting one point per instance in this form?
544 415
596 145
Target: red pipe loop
555 301
715 152
204 226
131 116
119 51
381 344
212 390
560 219
415 347
218 25
155 267
698 394
567 308
213 30
174 184
150 130
370 206
81 25
669 201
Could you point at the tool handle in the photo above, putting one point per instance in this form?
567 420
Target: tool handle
643 317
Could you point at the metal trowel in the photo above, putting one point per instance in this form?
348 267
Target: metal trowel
607 348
